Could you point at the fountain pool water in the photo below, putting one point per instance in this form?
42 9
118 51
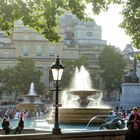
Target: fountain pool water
41 124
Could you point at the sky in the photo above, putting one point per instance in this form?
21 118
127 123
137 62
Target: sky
110 21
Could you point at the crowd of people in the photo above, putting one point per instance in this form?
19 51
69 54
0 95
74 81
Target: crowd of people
7 114
123 112
13 113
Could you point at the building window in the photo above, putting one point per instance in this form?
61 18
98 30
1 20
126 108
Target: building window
6 54
69 43
89 34
26 37
38 50
51 51
25 51
51 82
69 39
38 37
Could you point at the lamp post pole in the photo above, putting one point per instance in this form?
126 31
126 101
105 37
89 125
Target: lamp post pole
56 130
57 70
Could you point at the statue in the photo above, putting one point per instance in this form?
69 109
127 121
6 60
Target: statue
115 123
132 78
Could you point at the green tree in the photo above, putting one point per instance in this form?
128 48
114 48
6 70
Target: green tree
70 66
25 72
6 76
43 15
112 65
18 79
131 21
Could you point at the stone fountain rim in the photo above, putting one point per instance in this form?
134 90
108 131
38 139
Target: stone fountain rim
93 89
31 95
87 108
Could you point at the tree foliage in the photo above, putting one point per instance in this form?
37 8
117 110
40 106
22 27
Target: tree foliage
42 15
131 21
112 66
25 72
6 78
18 79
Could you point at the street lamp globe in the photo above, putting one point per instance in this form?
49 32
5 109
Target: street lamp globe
57 69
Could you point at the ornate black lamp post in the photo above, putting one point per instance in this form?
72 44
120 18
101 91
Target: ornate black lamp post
57 71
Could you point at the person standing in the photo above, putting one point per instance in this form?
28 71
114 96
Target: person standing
21 114
133 124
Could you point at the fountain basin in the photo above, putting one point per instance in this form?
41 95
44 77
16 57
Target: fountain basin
80 115
30 107
83 95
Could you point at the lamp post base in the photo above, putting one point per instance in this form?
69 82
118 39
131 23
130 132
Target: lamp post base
56 131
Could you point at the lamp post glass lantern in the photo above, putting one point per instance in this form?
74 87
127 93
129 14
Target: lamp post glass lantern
57 71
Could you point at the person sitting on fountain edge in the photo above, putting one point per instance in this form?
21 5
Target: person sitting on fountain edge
20 126
6 126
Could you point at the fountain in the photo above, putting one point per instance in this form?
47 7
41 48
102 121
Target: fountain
82 102
81 94
31 102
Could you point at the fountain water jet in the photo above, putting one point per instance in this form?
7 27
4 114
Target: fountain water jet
81 80
32 89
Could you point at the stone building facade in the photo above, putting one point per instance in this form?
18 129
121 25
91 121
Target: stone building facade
78 38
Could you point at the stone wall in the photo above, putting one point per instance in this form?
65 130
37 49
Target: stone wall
95 135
